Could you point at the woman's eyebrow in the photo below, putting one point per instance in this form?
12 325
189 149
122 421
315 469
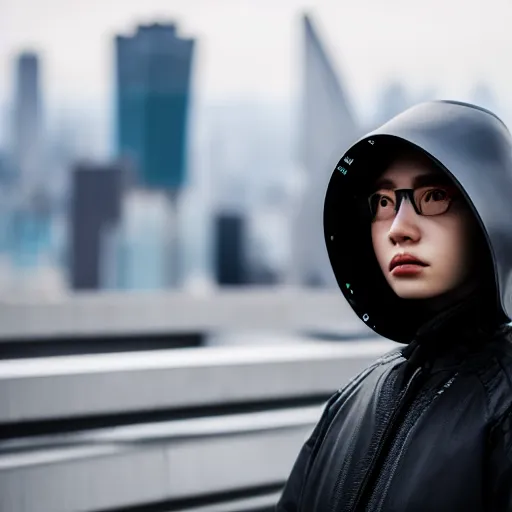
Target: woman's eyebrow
419 181
384 183
431 179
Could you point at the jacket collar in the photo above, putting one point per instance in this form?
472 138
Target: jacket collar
459 328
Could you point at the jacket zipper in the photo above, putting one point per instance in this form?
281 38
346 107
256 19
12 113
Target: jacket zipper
368 481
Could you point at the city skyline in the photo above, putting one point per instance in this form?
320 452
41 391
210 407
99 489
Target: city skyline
370 44
244 149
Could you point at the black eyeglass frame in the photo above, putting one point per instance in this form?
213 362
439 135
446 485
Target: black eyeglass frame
407 193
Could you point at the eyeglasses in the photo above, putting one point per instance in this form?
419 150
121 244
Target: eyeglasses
429 201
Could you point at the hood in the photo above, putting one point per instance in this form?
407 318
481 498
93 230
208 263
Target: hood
474 147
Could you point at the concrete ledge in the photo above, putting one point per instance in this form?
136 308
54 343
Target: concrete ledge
79 386
113 314
114 471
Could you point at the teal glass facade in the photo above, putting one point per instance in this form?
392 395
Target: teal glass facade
153 100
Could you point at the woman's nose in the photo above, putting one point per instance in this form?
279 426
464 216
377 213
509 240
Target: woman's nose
405 224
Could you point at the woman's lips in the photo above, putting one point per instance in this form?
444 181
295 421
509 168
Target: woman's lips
405 259
407 269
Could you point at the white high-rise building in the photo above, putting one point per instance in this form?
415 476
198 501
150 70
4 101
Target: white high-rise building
328 128
27 123
139 251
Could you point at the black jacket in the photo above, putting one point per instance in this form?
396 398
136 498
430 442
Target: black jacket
427 427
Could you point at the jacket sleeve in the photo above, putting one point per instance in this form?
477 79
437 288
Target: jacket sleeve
499 473
292 493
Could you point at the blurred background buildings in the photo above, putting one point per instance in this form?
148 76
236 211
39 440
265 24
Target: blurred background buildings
185 192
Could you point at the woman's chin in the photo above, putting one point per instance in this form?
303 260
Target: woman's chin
438 291
416 290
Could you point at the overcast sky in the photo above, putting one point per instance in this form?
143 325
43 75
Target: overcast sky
251 47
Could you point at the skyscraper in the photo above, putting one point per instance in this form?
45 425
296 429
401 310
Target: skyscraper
139 248
95 208
230 246
328 127
27 122
153 97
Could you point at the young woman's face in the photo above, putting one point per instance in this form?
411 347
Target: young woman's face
441 243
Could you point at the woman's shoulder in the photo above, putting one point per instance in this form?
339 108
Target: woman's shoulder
493 364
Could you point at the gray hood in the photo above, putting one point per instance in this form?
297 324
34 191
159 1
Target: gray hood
470 144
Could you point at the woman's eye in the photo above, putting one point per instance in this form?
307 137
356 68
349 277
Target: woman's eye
385 202
437 194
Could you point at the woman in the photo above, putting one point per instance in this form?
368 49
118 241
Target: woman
417 221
